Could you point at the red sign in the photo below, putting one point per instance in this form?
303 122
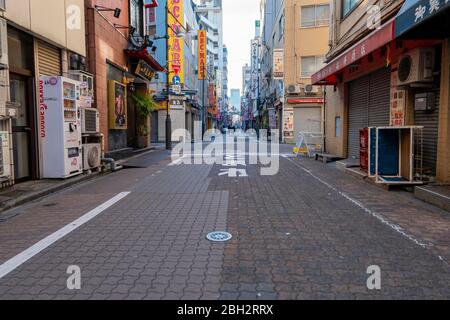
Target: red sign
306 100
373 41
42 109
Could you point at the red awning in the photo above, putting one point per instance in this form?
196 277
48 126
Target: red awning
144 55
370 43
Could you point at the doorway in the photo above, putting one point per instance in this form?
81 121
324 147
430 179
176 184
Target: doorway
22 131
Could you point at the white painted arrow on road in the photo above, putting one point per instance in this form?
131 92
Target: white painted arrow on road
233 172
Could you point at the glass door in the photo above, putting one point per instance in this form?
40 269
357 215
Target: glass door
20 93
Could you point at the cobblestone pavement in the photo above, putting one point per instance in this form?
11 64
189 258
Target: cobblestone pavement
309 232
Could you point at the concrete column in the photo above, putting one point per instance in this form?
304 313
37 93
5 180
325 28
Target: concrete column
443 154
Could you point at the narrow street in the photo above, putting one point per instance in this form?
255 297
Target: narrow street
308 232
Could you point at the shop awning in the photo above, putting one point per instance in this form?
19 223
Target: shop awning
362 48
147 57
417 12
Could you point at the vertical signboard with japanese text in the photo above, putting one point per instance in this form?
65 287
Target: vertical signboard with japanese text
176 43
201 54
278 64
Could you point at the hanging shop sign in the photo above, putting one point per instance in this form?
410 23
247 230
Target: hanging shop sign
117 105
144 70
278 64
202 54
176 43
176 104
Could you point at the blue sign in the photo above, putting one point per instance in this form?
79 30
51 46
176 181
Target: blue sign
415 12
176 80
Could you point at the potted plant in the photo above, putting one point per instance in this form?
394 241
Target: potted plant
145 106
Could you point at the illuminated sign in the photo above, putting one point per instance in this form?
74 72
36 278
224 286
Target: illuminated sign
176 43
202 54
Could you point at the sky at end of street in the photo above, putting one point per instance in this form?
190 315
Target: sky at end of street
239 29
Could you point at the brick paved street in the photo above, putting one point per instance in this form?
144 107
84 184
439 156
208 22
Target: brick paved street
309 232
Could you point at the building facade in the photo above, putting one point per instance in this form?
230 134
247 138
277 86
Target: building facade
374 46
306 43
36 46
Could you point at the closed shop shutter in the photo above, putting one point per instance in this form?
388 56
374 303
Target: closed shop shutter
357 115
307 119
379 98
369 106
430 121
49 59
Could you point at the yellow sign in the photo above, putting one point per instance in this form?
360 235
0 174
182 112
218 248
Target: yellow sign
202 54
176 44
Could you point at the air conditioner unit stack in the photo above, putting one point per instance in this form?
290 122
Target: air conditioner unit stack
293 89
416 67
90 121
91 156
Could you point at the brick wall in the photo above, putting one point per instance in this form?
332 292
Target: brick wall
105 43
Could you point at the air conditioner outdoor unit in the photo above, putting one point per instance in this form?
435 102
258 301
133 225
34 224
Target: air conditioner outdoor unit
311 89
91 156
90 120
293 89
416 67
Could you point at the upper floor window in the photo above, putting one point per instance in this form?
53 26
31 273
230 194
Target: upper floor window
136 15
281 27
310 65
348 5
314 16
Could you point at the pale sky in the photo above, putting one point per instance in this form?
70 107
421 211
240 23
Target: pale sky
239 29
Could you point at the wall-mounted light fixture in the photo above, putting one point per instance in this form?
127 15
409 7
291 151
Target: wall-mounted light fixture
117 11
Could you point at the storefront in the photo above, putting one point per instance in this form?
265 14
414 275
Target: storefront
306 117
429 103
358 95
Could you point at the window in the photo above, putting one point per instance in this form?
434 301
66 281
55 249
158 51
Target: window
348 5
281 27
337 127
315 16
309 65
136 14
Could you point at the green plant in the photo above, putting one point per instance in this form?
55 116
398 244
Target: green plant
142 130
144 103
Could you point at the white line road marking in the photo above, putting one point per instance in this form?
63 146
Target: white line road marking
393 226
26 255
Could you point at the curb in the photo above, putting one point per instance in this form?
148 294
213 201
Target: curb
10 204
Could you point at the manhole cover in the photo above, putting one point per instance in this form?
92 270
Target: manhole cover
219 236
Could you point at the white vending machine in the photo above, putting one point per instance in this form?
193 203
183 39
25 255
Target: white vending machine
60 127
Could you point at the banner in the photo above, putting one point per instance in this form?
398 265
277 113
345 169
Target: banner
176 44
202 54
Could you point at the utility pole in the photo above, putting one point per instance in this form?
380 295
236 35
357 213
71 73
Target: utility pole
168 119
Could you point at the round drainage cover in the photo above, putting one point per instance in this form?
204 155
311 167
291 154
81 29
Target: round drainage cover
219 236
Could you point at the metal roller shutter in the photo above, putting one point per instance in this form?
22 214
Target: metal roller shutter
379 98
49 59
430 121
357 115
369 106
